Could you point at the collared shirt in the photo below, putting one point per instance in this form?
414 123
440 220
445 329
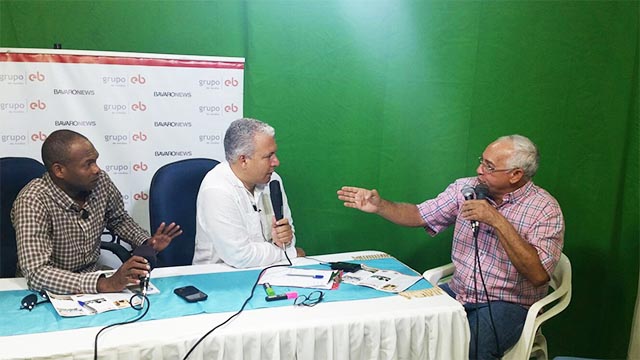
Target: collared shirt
534 214
58 250
234 226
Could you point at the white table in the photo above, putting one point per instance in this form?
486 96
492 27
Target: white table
391 327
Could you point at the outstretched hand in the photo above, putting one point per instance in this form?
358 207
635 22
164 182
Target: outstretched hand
359 198
163 236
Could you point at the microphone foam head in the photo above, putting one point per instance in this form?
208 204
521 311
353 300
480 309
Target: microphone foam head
482 192
276 199
148 253
468 192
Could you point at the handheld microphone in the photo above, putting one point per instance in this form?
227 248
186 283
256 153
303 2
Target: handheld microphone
482 192
276 199
148 253
469 193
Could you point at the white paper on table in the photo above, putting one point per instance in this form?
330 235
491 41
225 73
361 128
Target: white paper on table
303 278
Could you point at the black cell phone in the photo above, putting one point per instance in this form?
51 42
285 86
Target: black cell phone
190 293
345 266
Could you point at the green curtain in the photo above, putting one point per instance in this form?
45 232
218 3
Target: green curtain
402 96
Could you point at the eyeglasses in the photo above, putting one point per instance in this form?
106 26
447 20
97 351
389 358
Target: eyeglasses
30 301
312 299
490 169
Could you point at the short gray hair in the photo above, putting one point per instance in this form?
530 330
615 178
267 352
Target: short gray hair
525 154
238 140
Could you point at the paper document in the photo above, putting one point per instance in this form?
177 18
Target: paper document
91 304
384 280
304 278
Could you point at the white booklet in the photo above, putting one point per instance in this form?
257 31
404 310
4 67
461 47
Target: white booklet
91 304
303 278
384 280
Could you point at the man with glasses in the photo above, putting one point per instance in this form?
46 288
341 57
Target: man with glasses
519 242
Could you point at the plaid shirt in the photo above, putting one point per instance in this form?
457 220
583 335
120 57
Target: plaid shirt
57 249
535 215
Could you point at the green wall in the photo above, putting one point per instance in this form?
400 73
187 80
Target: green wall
402 96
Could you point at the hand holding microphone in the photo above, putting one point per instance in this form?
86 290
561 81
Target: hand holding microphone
477 210
149 254
281 231
134 271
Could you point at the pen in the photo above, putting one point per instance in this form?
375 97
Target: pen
84 305
286 296
268 289
308 275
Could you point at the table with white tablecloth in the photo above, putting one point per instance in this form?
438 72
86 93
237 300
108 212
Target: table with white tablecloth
390 327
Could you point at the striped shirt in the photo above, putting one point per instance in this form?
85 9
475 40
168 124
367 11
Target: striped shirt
58 250
534 214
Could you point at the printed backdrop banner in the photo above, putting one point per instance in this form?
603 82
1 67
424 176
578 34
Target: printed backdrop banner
141 111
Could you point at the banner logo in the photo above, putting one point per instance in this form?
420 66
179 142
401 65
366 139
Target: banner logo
37 105
14 79
117 169
139 106
140 136
16 139
215 110
115 108
117 139
212 84
171 94
140 167
211 139
173 153
231 82
36 77
231 108
15 107
138 79
114 80
39 136
73 92
75 123
141 196
172 123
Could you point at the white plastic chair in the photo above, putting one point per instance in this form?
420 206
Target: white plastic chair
531 343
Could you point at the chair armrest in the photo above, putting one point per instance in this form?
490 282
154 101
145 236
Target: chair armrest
435 275
117 249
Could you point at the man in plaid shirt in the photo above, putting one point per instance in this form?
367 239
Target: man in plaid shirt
520 239
59 219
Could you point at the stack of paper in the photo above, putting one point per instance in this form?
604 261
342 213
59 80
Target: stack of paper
303 278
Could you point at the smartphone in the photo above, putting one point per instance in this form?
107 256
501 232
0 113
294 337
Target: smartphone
190 293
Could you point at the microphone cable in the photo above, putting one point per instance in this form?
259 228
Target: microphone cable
486 293
253 288
138 307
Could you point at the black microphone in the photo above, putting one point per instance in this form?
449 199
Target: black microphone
148 253
482 192
469 193
84 214
276 199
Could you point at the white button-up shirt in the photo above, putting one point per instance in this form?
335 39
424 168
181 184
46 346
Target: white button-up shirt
234 226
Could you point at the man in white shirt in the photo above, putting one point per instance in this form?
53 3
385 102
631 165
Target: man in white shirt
235 223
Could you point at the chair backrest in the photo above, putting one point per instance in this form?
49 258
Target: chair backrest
15 173
560 297
172 198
